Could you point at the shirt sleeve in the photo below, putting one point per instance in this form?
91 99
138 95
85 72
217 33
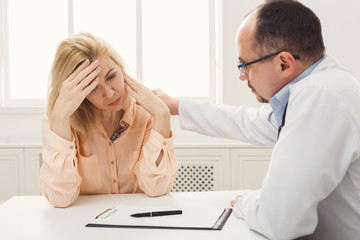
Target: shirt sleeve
242 123
156 180
307 164
59 178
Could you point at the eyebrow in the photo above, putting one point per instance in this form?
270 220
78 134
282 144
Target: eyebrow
109 72
241 60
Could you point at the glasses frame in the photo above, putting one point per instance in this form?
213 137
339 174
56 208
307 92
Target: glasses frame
242 66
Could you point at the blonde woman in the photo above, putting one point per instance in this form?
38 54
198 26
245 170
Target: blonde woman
97 139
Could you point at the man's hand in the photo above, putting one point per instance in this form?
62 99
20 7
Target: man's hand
233 202
171 103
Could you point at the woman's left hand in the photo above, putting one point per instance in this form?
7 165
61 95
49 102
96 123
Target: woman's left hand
144 96
153 104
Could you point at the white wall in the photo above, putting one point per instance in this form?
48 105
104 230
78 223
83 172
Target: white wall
341 36
340 20
21 125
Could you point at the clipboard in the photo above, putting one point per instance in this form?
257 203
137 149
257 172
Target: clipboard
192 218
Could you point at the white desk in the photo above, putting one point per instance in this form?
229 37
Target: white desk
32 217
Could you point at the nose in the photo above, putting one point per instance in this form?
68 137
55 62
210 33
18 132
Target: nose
243 77
108 91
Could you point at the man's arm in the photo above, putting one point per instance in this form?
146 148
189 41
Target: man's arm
242 123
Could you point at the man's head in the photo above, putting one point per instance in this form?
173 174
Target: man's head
286 31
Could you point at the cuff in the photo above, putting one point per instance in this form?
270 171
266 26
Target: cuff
56 142
156 139
244 204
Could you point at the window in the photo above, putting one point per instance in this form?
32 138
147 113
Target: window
167 44
31 40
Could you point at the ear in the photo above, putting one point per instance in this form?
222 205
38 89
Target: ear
287 64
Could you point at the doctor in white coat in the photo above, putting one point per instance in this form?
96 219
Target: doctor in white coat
312 187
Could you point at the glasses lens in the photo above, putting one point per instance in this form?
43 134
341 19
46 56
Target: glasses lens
242 70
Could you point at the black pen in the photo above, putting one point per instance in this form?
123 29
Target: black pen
157 213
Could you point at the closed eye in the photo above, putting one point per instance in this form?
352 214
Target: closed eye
111 77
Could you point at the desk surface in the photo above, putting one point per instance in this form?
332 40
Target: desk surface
32 217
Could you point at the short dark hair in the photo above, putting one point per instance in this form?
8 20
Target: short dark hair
288 25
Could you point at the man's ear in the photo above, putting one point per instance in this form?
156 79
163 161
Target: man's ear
287 63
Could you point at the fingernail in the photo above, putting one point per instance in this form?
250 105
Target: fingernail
86 62
96 62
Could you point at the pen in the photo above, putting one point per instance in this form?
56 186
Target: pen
157 213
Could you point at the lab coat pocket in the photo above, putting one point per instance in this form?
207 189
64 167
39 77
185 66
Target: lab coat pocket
90 173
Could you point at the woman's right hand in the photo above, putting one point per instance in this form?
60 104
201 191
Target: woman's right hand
76 87
73 91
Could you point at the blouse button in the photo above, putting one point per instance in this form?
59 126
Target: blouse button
114 181
109 143
112 162
72 147
164 143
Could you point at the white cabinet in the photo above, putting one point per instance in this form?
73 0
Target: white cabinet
19 172
208 169
11 172
248 167
32 158
201 168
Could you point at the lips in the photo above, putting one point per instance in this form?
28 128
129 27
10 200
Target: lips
114 103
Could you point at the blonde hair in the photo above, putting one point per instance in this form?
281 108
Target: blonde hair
70 53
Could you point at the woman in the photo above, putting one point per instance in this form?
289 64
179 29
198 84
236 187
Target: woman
96 139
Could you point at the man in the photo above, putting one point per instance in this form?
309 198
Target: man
312 187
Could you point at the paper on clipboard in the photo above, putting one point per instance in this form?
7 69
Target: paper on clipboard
202 218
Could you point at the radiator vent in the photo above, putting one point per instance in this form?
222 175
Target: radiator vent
194 178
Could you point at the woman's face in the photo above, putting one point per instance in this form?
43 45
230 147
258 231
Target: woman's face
110 92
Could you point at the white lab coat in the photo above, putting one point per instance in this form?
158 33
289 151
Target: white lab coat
313 182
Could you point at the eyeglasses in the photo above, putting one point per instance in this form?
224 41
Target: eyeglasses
242 66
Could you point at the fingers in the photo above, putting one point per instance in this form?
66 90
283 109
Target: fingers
130 90
78 69
87 90
133 84
83 71
157 92
127 77
233 202
135 88
89 78
89 70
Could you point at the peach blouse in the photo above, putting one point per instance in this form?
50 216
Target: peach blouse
99 166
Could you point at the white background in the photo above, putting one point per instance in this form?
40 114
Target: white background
342 40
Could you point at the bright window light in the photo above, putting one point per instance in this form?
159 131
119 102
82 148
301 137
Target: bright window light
32 44
176 46
113 20
166 44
